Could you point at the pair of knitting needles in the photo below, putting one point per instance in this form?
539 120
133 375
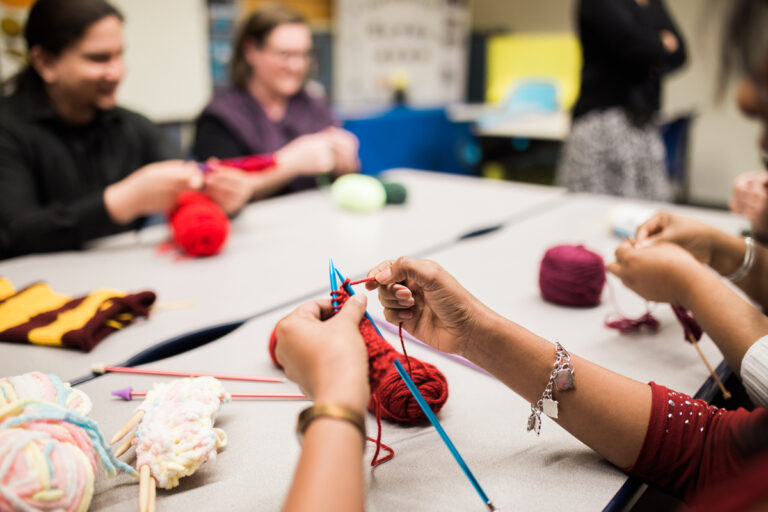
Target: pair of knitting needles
334 272
129 393
147 484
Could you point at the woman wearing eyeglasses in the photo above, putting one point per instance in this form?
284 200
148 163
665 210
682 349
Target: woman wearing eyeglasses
268 109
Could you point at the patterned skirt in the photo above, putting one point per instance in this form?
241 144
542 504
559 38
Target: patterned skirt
607 154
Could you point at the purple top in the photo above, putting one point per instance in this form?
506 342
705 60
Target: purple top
235 114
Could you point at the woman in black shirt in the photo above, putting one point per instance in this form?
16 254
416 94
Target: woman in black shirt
73 165
615 146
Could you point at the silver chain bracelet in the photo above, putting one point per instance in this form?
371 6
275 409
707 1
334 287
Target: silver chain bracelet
746 264
560 379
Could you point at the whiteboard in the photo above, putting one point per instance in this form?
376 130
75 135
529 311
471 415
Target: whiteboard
168 75
381 42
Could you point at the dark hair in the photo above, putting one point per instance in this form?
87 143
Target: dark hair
55 25
745 41
255 30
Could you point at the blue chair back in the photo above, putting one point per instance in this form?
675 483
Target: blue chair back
415 138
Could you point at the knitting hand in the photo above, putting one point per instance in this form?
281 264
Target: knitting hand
228 187
325 354
661 272
307 155
694 236
750 199
153 188
429 302
345 146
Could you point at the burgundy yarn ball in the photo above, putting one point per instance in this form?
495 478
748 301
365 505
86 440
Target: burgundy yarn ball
200 227
572 275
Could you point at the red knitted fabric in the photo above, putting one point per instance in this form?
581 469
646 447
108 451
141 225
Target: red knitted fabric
200 227
691 445
395 401
251 163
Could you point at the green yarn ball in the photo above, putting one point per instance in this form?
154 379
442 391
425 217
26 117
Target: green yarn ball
358 192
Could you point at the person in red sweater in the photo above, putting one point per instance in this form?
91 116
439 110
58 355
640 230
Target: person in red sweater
714 458
651 432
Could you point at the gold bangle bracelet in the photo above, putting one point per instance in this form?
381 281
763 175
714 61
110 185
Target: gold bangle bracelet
336 411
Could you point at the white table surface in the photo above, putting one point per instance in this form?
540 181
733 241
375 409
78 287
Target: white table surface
278 252
485 420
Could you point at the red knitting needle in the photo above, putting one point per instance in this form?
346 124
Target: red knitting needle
130 394
100 368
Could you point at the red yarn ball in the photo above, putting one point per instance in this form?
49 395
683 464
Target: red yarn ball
572 275
200 227
395 401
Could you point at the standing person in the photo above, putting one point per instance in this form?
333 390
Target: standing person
268 109
615 146
73 165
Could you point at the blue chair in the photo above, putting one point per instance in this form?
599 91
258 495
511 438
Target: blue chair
415 138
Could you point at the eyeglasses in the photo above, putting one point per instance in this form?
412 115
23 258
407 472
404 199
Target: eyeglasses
286 56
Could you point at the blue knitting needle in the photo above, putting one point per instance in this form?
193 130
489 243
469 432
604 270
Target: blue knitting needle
350 291
447 440
334 284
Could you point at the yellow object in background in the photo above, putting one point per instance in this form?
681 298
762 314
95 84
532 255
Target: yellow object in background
313 10
519 57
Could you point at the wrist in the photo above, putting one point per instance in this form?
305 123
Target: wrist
283 163
490 330
689 284
325 411
353 393
727 253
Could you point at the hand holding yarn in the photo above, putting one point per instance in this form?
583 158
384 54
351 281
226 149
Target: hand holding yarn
325 354
229 187
151 189
750 199
307 155
661 272
345 146
390 398
429 302
692 235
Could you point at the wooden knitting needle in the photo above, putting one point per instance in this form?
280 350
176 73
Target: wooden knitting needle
152 495
126 444
695 344
102 368
147 493
135 419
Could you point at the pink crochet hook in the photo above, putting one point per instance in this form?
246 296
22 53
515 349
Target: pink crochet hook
130 394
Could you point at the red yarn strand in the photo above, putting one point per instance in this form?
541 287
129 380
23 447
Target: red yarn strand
379 445
402 344
366 280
